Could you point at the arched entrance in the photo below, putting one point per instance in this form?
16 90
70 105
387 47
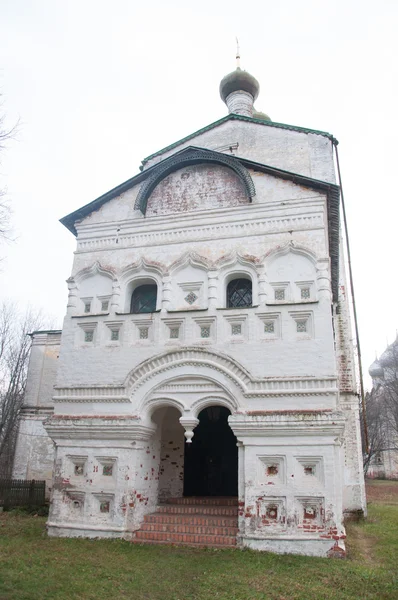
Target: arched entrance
211 460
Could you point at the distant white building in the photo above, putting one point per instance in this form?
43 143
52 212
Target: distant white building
206 350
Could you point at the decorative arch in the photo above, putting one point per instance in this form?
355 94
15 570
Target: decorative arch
237 266
190 258
214 400
140 273
153 404
187 158
94 269
223 368
142 266
290 247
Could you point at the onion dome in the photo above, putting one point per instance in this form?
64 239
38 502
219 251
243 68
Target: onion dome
376 371
239 81
257 114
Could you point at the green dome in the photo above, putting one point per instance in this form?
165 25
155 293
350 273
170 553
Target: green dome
257 114
239 80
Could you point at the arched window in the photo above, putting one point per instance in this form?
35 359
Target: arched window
239 293
144 298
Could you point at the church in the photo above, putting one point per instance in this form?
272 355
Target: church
202 390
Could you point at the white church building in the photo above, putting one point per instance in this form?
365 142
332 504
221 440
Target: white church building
202 390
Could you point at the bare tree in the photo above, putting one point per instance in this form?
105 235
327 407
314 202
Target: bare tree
5 208
375 417
15 346
382 407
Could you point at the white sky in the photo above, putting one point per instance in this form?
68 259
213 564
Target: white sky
98 85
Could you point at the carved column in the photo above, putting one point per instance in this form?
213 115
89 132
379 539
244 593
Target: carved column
213 289
166 293
189 424
115 301
323 280
72 307
262 295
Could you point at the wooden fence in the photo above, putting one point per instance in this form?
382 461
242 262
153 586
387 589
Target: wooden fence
20 492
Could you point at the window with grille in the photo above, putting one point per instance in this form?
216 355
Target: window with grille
143 299
239 293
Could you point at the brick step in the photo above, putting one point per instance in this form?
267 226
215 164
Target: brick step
189 538
194 509
187 528
184 544
200 519
211 500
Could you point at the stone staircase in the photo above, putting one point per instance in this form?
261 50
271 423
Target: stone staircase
192 521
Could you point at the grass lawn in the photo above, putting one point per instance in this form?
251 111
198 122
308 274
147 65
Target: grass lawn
35 567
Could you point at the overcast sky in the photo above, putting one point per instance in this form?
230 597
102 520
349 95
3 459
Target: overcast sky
98 85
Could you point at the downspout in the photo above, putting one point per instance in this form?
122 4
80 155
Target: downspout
347 241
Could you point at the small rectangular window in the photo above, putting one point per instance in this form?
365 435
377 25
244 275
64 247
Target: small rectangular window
236 329
88 336
280 294
114 335
205 331
104 305
144 333
87 307
269 327
301 326
305 293
174 333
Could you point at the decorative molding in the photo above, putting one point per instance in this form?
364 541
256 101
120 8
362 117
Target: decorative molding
107 428
191 157
259 227
93 269
90 394
289 424
143 266
199 357
190 258
290 246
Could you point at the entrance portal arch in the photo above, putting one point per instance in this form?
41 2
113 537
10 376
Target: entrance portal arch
211 460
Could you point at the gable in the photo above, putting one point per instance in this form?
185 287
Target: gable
196 187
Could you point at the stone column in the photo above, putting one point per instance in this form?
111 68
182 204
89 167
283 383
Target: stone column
166 293
213 289
115 300
72 307
262 295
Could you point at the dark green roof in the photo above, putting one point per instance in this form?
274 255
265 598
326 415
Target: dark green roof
235 117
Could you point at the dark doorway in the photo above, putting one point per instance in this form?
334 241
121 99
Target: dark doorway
211 461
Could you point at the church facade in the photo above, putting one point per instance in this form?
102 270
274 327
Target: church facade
205 356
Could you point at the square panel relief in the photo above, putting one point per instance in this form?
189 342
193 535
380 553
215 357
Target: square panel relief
310 513
269 328
205 329
173 330
191 293
77 466
270 511
309 471
236 327
143 330
104 506
106 468
271 470
74 503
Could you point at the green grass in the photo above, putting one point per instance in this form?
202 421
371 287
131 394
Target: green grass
35 567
